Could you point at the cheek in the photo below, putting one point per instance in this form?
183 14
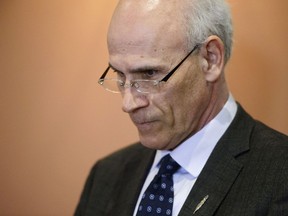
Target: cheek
163 106
188 101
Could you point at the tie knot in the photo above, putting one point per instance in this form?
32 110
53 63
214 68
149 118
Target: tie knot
168 166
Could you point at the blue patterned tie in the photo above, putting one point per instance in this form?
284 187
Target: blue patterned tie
158 198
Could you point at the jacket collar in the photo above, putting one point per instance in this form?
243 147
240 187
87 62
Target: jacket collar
221 169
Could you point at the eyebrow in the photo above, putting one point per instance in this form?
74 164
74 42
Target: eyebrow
141 68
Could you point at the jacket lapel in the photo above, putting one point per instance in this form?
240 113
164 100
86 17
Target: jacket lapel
221 169
129 187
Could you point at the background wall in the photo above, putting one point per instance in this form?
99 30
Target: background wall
55 121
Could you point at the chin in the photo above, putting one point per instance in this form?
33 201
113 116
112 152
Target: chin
153 142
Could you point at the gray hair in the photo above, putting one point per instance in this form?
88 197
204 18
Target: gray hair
206 18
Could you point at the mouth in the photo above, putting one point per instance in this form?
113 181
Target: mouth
144 125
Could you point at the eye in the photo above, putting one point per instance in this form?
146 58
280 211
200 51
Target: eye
150 73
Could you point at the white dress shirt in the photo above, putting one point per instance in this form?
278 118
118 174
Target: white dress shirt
192 155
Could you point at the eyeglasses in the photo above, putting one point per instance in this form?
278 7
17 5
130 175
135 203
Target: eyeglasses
116 85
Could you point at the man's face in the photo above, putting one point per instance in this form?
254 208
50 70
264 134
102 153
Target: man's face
148 47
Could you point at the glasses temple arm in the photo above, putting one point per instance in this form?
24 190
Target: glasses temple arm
180 63
104 74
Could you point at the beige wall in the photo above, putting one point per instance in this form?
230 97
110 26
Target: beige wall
55 121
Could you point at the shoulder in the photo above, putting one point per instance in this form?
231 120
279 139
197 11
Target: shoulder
130 156
256 131
270 144
245 134
127 153
268 135
266 145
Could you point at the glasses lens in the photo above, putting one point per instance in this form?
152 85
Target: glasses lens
116 84
113 85
146 86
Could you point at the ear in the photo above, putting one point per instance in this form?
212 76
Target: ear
212 58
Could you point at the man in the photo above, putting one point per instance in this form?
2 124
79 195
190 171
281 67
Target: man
167 59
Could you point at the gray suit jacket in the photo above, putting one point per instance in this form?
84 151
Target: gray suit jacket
246 175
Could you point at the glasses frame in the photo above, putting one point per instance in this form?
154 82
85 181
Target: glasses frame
156 82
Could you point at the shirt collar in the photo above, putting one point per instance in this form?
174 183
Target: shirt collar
194 152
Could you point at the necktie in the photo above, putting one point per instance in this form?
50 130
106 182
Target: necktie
158 198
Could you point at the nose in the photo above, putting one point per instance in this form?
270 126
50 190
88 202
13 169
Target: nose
133 100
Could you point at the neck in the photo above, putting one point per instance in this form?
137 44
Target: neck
219 95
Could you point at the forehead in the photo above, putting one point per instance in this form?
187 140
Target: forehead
145 26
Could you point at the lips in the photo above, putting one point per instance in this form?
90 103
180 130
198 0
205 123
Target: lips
142 123
145 126
140 120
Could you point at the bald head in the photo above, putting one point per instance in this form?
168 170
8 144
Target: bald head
146 21
189 21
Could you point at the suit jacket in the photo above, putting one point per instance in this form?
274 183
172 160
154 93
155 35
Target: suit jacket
246 175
